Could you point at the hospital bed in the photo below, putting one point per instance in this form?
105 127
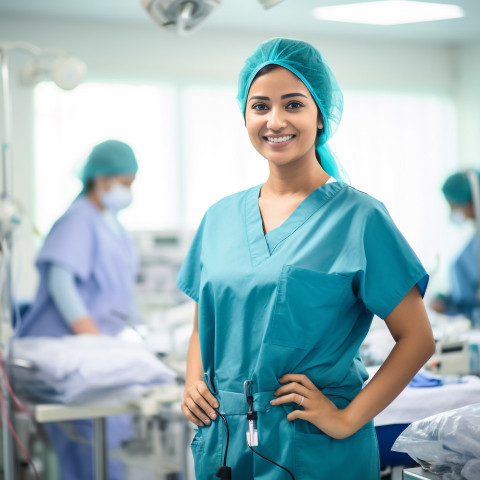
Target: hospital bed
417 403
157 404
418 474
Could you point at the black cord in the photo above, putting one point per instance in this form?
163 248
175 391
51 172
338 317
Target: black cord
271 461
223 473
228 437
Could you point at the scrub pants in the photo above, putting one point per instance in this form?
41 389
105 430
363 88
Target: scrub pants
299 446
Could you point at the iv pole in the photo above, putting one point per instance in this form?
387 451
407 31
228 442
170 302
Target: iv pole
5 234
67 72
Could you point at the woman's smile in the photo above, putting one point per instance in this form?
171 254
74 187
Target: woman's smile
279 140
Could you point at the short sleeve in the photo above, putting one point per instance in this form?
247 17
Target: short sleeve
70 243
391 268
188 278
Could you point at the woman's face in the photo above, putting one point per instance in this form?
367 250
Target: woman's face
104 184
282 118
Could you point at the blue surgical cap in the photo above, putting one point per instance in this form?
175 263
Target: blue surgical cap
109 158
306 62
457 188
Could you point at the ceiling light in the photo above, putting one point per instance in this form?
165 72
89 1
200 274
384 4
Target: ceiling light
269 3
389 12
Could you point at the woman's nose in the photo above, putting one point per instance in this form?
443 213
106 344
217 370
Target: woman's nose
276 120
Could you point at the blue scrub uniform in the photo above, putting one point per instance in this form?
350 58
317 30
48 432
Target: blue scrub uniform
299 299
464 281
104 264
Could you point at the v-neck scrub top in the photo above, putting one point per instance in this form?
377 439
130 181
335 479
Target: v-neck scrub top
299 299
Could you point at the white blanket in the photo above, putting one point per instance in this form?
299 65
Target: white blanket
416 403
86 368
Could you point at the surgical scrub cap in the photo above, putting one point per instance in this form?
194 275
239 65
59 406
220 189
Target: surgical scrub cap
306 62
457 188
109 158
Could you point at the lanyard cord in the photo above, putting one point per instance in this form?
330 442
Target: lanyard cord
225 472
228 438
271 461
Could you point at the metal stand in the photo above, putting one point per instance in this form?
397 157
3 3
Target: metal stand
100 447
6 303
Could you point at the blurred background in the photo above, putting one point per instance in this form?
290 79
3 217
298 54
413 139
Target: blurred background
411 115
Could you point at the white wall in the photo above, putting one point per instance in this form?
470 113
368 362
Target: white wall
146 53
468 71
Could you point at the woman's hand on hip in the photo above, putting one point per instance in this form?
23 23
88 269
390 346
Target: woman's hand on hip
316 407
199 404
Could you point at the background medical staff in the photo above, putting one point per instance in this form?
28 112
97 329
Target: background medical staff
287 277
87 269
463 274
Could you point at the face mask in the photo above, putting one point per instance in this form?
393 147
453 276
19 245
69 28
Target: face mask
117 198
457 217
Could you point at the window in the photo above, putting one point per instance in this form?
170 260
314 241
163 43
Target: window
399 148
193 149
69 124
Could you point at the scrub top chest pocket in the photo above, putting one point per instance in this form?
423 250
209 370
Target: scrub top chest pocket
311 308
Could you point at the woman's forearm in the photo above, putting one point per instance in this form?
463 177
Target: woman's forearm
404 361
198 402
194 361
194 358
414 345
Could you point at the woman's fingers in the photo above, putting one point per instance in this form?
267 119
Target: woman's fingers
293 387
189 414
290 398
199 404
206 394
298 378
302 414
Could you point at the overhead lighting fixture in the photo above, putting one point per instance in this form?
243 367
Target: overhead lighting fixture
269 3
184 16
389 12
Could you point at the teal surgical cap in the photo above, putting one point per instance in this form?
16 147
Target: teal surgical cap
109 158
306 62
457 188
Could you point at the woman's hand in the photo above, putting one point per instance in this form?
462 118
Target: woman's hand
317 408
199 404
438 305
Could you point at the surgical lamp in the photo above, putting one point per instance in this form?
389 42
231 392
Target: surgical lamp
183 15
186 15
269 3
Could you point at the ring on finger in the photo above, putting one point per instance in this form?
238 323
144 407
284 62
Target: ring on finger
301 401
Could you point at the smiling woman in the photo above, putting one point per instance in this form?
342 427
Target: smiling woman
287 277
282 125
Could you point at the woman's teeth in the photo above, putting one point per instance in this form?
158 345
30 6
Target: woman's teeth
279 139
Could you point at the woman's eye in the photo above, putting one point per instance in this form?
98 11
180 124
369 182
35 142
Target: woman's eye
294 105
259 106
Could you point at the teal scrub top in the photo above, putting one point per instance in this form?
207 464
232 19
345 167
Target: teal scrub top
299 299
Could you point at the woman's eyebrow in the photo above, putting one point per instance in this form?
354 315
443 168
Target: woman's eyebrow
283 97
289 95
258 97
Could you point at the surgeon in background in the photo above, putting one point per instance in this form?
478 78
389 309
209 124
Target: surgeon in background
463 277
87 269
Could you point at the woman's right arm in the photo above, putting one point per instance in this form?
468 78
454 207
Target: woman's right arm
198 402
62 289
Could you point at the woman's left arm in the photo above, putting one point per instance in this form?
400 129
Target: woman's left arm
414 345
